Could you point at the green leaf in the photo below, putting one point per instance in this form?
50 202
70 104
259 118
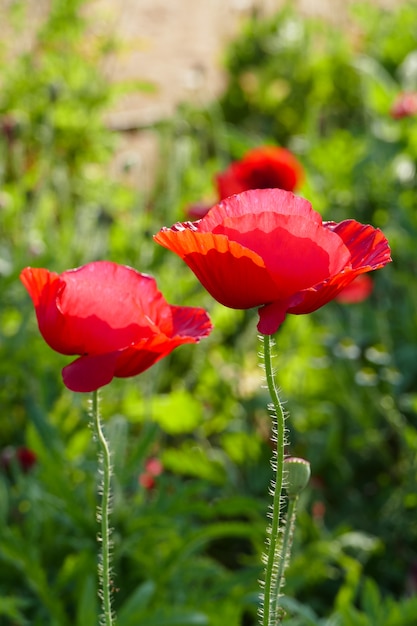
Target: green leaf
10 607
178 412
175 618
300 610
372 602
136 604
87 608
191 460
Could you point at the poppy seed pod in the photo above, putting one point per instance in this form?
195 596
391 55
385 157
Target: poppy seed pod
297 474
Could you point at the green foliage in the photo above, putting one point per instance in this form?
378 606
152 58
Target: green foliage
188 551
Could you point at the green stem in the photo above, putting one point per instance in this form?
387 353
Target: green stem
286 545
270 611
103 512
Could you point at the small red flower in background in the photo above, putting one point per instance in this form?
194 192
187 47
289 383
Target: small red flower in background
111 315
266 167
24 457
8 128
268 248
153 469
318 511
404 105
197 210
357 291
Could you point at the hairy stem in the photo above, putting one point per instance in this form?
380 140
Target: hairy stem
103 512
270 613
286 545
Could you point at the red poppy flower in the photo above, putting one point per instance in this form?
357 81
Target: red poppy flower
111 315
266 167
268 248
357 291
404 106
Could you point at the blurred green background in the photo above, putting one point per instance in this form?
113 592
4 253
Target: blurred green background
188 550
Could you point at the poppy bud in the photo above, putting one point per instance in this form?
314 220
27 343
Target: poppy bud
297 475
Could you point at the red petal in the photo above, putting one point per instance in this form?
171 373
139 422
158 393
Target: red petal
89 373
269 167
136 359
187 325
271 317
41 284
312 299
367 245
97 308
265 167
369 251
190 323
108 306
296 251
197 210
305 301
223 267
44 288
357 291
228 184
253 202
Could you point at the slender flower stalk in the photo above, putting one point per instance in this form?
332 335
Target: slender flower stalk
288 532
103 511
270 608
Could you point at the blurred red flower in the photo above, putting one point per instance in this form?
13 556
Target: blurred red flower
9 128
197 210
357 291
153 469
404 105
111 315
24 457
268 248
266 167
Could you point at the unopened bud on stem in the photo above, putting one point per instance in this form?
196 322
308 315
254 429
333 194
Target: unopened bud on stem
297 474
